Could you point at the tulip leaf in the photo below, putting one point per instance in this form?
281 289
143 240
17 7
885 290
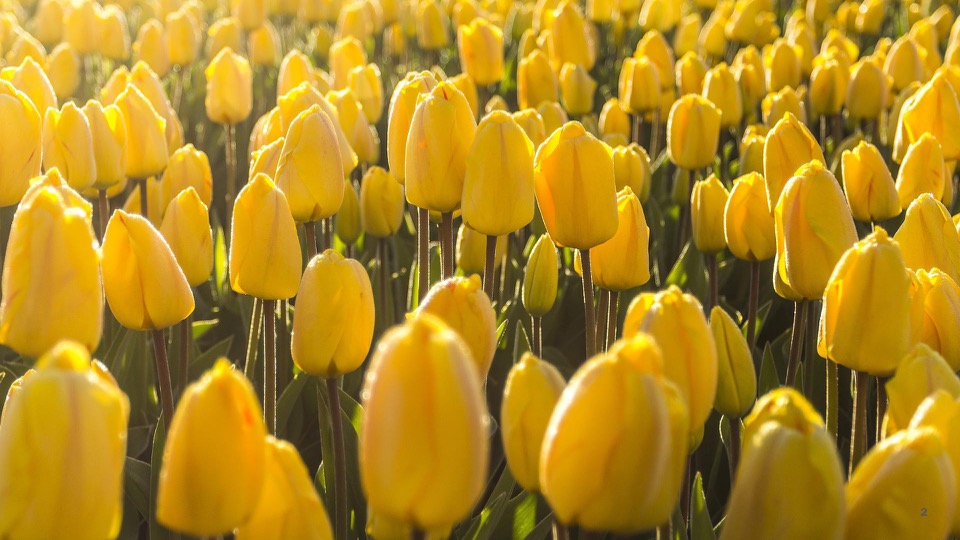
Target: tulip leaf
521 344
700 526
136 484
202 327
524 510
768 379
289 399
205 360
220 262
678 527
500 331
157 531
542 530
689 273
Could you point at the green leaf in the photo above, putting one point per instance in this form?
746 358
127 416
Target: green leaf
500 331
206 360
542 529
496 504
689 273
768 379
136 484
700 526
157 531
678 529
220 262
289 399
201 327
521 344
524 514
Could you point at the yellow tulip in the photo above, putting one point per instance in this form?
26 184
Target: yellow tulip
722 89
265 255
403 104
936 312
828 88
927 237
78 25
250 13
215 455
540 277
63 69
367 85
186 228
302 98
471 250
361 138
263 45
68 409
536 81
68 145
903 64
736 376
867 92
631 168
614 119
868 185
921 171
940 412
423 449
345 55
151 47
532 124
20 145
114 42
782 63
187 168
183 38
921 372
381 203
788 146
229 97
655 48
432 26
109 135
481 51
708 201
569 41
934 110
748 226
146 151
463 306
310 172
623 262
639 85
693 132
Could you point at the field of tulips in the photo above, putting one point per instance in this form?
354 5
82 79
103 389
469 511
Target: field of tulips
479 269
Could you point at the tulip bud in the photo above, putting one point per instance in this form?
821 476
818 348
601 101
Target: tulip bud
63 69
867 92
146 153
614 119
295 69
109 136
623 262
736 376
143 283
693 132
20 145
569 40
114 42
399 444
334 318
432 26
933 110
940 412
48 22
921 373
903 63
289 504
186 228
536 81
531 393
720 87
868 185
707 203
347 226
655 48
553 116
878 341
471 250
381 203
229 88
777 104
224 34
782 63
187 168
263 45
631 168
214 458
748 226
639 85
151 47
927 237
788 146
25 46
403 104
345 55
71 199
814 228
183 38
532 124
30 79
91 415
907 470
310 172
367 86
936 312
250 13
441 133
78 25
785 444
828 88
751 156
577 89
921 171
265 255
634 484
499 166
481 51
68 145
302 98
49 299
354 125
464 307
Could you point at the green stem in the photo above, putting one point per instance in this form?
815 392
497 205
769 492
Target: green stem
537 345
796 340
163 377
560 531
253 340
858 428
340 459
590 323
712 280
752 303
141 184
310 237
423 253
186 340
733 449
231 158
270 366
446 244
103 208
881 407
489 266
613 316
602 312
833 395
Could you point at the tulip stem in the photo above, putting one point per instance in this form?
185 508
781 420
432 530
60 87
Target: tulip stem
270 366
446 244
560 531
103 208
310 237
231 157
858 429
752 302
163 377
796 340
177 87
418 534
340 461
326 234
253 340
733 448
186 339
382 273
602 311
537 345
655 135
141 184
423 253
714 286
612 318
881 407
590 323
490 266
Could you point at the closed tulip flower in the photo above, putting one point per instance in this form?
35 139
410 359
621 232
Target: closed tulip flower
463 306
499 166
926 237
751 155
903 63
63 69
48 299
21 146
578 213
933 110
334 320
908 470
222 34
782 63
788 146
381 203
362 139
441 132
345 55
25 46
707 203
721 88
736 376
941 411
554 117
814 228
569 39
109 135
655 48
623 262
114 42
536 81
263 45
229 88
250 13
186 228
748 226
472 247
936 312
540 277
47 22
614 119
828 88
432 26
151 47
68 145
577 89
70 197
265 253
777 104
302 98
868 185
92 414
532 124
481 51
639 85
921 171
146 151
921 372
295 69
693 132
867 92
403 104
78 25
881 337
367 85
30 79
633 484
631 168
347 226
183 38
310 172
690 74
214 457
531 393
143 283
288 506
785 443
188 168
423 464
